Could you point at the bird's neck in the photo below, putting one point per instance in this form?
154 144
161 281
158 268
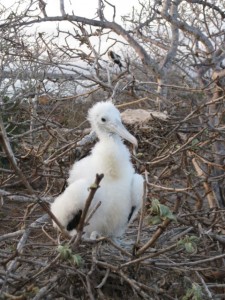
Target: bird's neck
114 156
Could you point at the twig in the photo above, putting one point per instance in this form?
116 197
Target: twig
191 263
142 211
93 189
100 285
217 237
154 238
18 198
92 212
144 258
132 102
90 294
118 247
54 241
11 235
204 285
178 236
134 285
175 190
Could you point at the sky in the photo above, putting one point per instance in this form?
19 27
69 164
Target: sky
84 8
87 8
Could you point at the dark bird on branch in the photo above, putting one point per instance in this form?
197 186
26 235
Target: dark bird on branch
115 58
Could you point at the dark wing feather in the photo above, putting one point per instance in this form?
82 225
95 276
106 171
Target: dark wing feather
75 221
131 213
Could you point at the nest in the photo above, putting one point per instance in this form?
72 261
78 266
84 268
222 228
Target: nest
173 250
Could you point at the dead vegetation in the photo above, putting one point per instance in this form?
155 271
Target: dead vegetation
174 250
172 54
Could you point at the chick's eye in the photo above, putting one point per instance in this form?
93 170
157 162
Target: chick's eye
103 119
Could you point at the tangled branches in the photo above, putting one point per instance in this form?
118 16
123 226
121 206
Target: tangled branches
174 250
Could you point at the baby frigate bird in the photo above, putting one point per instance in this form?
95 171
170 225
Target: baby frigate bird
121 189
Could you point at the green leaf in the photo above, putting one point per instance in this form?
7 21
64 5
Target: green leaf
197 291
166 213
194 142
189 243
155 206
164 210
77 260
194 293
171 216
194 238
155 220
64 251
189 247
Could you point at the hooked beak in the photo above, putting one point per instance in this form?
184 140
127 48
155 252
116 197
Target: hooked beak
120 129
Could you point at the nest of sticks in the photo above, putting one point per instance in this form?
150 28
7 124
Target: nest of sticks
173 250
